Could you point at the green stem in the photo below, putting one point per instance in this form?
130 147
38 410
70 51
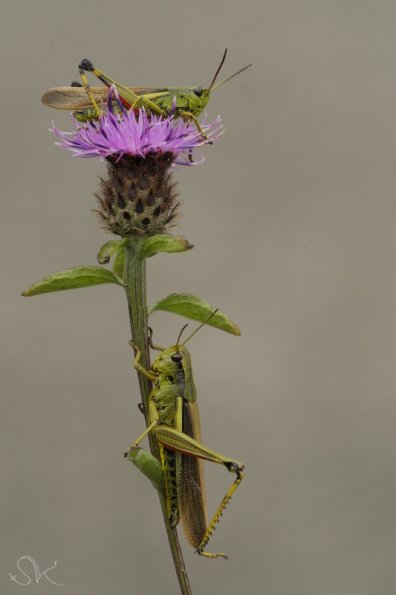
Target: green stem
135 285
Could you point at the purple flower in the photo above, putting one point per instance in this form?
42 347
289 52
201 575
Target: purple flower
116 134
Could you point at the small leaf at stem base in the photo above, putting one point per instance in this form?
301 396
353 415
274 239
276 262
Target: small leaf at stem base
147 464
115 249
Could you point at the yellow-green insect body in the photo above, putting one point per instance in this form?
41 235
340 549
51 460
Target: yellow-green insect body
87 102
174 421
173 403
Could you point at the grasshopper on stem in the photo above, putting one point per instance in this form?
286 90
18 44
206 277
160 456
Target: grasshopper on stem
174 421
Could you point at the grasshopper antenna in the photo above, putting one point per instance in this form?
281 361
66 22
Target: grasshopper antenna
229 78
218 69
199 327
180 334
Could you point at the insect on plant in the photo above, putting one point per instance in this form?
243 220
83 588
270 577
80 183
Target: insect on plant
173 418
86 102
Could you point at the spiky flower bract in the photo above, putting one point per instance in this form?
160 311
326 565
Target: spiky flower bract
138 197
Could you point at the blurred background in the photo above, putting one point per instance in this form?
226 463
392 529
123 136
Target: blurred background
293 221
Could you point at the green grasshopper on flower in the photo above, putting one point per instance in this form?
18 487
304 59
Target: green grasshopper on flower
173 418
85 101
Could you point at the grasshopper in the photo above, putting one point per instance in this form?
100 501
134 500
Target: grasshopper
84 101
173 418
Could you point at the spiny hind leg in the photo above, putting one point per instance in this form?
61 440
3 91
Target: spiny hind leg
180 442
237 468
83 66
212 555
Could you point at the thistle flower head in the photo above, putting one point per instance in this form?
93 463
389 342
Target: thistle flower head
121 132
138 197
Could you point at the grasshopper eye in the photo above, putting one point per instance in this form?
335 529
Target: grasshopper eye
198 91
177 357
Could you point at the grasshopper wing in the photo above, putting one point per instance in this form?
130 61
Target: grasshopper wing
76 98
72 98
192 500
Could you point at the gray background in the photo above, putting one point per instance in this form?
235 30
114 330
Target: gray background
293 221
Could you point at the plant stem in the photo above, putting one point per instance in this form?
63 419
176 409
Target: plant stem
135 281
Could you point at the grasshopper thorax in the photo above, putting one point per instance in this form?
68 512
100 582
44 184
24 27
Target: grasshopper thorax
189 99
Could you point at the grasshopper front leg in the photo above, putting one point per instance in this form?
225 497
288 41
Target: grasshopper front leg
190 116
150 375
150 341
138 366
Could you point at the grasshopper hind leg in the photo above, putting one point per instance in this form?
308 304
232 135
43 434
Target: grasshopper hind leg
212 555
86 65
236 468
172 439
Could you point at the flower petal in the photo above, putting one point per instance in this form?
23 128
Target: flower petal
118 133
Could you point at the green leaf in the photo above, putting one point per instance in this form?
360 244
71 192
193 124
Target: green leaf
82 276
118 263
163 243
109 249
193 307
148 465
115 249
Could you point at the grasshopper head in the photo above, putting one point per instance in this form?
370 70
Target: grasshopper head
172 359
198 99
177 358
173 366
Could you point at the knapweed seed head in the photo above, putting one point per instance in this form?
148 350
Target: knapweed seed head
138 197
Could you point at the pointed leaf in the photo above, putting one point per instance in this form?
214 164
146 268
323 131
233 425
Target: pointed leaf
82 276
193 307
163 243
147 464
